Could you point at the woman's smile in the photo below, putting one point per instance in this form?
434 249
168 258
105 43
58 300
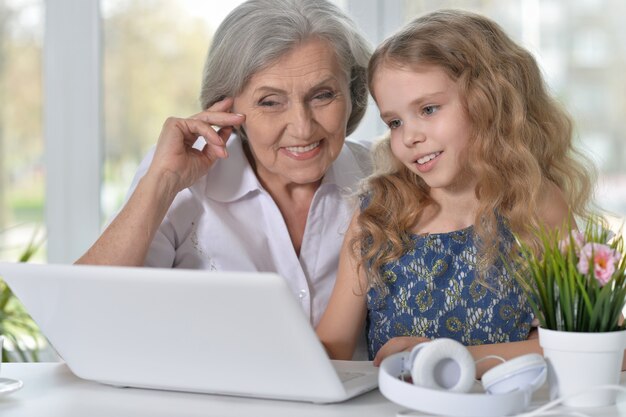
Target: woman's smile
303 152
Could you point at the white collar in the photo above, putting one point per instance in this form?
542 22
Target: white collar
345 172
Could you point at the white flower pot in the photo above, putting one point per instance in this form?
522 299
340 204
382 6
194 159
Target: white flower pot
579 361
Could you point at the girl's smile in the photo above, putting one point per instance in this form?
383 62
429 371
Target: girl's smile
426 162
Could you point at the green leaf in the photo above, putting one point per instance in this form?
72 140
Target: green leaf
562 297
15 323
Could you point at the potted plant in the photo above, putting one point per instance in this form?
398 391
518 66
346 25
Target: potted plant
15 323
576 287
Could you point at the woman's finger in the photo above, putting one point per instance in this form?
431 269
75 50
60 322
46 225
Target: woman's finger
225 132
224 104
220 118
192 129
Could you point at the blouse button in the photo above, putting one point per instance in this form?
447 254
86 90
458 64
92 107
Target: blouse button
301 294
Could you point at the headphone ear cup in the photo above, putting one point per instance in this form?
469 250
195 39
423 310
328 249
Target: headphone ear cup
443 364
523 372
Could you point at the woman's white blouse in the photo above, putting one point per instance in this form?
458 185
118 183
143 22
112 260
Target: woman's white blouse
228 221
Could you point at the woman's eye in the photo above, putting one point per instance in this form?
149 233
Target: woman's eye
271 100
268 103
394 124
428 110
326 95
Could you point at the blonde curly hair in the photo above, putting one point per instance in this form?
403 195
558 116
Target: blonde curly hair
521 140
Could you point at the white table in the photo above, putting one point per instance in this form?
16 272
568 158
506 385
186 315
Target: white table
51 390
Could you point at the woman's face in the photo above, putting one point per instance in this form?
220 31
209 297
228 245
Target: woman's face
296 114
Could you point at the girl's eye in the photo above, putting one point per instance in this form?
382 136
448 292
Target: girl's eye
428 110
394 124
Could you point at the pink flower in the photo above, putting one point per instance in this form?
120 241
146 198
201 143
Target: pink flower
604 260
579 241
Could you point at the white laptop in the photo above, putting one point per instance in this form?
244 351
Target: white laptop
227 333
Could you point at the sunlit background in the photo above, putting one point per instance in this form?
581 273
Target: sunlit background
153 56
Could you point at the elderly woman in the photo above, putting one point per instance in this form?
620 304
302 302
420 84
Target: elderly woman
283 84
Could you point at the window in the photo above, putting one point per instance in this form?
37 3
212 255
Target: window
150 66
22 171
152 70
580 47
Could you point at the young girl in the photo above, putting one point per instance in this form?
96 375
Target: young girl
477 152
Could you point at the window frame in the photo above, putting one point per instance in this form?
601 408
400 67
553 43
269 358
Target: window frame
72 77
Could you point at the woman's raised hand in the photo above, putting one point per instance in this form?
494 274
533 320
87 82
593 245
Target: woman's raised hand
175 157
176 165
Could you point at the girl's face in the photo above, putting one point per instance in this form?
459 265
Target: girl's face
429 125
296 115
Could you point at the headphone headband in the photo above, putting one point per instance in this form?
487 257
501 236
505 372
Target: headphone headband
444 402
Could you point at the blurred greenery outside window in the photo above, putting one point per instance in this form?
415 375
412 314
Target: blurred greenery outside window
22 172
153 55
152 70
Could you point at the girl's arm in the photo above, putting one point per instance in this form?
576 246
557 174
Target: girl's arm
509 351
342 323
504 350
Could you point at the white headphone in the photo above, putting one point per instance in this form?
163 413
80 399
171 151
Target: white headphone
443 372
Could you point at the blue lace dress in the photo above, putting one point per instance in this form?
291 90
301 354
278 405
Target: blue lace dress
433 292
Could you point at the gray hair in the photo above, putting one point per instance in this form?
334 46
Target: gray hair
258 32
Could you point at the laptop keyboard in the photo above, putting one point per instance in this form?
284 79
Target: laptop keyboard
347 376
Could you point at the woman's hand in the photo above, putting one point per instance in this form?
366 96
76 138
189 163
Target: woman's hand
398 344
176 165
175 157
